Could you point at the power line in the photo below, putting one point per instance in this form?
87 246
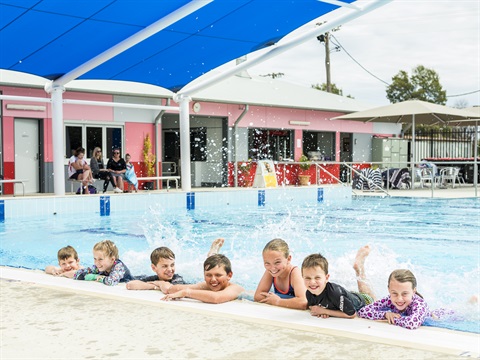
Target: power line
376 77
351 57
468 93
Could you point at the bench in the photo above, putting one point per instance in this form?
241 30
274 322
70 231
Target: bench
73 181
167 178
14 181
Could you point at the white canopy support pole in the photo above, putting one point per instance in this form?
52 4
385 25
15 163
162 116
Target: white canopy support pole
186 171
133 40
282 47
235 146
57 140
475 161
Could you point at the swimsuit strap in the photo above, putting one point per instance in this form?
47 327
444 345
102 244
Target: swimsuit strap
289 283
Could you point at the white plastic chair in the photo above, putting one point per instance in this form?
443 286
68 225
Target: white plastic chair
427 176
449 174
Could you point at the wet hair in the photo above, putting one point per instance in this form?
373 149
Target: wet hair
108 248
161 253
66 252
315 260
403 276
277 245
217 260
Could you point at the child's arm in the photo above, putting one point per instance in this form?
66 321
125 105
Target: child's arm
322 312
297 302
264 286
141 285
146 285
202 293
116 274
416 314
377 310
81 273
52 270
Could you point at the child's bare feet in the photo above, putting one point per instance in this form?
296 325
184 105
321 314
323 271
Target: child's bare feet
216 246
359 264
359 267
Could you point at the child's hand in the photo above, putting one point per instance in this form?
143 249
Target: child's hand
178 295
318 311
91 277
68 274
164 286
391 317
270 298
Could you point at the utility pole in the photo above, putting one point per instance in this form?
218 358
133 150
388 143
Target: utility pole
325 38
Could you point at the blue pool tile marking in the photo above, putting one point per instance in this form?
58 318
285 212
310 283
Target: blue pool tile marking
2 210
104 205
261 197
191 201
320 195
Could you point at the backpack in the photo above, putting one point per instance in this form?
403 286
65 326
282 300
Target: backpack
91 189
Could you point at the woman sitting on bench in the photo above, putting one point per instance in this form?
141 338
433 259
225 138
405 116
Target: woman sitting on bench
99 170
78 169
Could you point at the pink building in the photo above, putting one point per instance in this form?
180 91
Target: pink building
237 120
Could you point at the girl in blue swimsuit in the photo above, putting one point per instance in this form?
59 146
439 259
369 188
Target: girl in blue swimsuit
288 286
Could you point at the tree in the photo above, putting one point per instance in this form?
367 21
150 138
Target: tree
333 89
424 84
461 104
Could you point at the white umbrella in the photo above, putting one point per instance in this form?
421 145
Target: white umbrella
410 111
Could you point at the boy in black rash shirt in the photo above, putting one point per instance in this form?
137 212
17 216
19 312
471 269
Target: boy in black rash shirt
327 299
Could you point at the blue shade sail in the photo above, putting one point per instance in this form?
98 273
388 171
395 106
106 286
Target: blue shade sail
50 38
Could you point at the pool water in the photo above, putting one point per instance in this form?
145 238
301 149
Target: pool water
439 240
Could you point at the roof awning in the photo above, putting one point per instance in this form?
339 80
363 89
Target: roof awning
50 38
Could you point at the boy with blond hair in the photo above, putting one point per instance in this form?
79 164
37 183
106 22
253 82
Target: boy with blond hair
67 260
327 299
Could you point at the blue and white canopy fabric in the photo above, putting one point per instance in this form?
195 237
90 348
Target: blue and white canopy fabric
51 38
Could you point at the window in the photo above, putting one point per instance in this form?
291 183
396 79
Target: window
198 145
269 144
89 137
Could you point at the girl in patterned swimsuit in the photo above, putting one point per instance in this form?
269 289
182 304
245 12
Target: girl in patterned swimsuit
404 306
286 279
108 268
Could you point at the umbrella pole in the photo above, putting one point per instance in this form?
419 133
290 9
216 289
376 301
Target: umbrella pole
412 162
475 163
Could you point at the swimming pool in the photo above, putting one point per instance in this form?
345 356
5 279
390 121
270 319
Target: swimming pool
437 239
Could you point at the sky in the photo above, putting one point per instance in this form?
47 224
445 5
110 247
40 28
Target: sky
438 34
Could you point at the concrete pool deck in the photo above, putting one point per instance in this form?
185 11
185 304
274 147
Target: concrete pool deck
460 191
48 317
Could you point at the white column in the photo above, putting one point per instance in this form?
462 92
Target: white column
57 140
186 171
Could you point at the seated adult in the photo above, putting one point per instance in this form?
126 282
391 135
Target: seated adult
117 167
99 171
78 169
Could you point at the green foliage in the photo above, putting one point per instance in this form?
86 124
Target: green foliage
305 163
323 87
424 84
335 89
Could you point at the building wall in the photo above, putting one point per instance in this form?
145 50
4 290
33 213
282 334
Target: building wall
139 122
